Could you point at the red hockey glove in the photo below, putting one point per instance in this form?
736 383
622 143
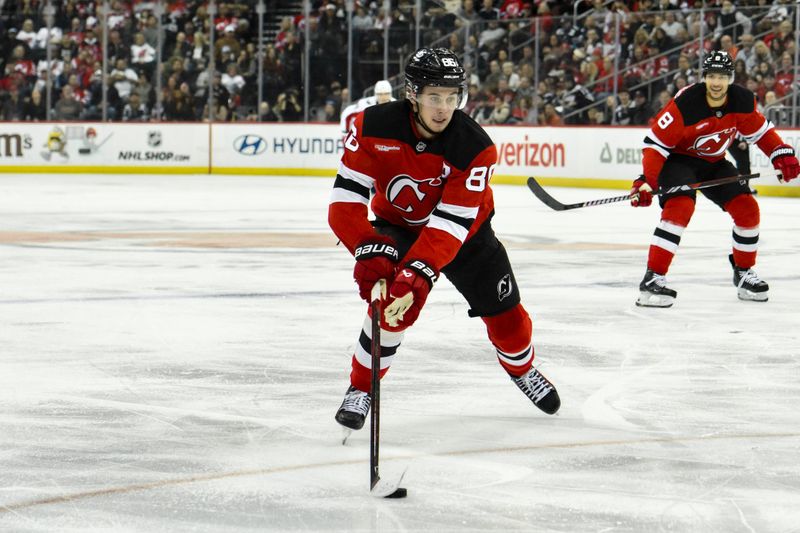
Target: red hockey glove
407 294
641 193
376 259
785 161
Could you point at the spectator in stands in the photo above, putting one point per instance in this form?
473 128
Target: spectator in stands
124 78
609 108
784 75
117 49
575 100
641 112
467 11
27 34
522 112
180 48
726 44
13 106
35 108
762 55
778 113
732 22
143 55
265 113
488 11
288 106
362 20
511 76
199 52
671 25
495 73
136 110
67 107
550 117
232 80
740 75
228 47
747 52
179 105
623 113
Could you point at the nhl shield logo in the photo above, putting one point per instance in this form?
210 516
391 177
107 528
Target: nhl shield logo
154 138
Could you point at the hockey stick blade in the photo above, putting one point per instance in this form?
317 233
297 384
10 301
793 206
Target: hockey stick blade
554 204
387 489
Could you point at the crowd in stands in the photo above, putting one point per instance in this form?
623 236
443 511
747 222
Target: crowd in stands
599 61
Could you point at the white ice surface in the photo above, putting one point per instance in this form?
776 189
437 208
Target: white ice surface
170 361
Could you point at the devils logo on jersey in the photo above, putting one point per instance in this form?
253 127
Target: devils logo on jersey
414 198
714 144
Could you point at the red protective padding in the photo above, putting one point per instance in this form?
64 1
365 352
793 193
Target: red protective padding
510 332
361 376
678 210
746 214
744 211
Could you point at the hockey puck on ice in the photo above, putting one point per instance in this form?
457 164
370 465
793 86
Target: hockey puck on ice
399 493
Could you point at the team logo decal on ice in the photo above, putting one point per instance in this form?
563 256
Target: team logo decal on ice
714 144
415 198
504 287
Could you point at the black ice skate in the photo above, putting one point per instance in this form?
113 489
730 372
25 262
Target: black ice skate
653 291
354 408
749 285
540 391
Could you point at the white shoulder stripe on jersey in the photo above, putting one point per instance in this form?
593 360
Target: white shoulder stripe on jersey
339 194
659 141
658 148
456 230
458 210
755 137
358 177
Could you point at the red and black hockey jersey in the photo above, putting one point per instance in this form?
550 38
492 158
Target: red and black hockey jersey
437 188
688 125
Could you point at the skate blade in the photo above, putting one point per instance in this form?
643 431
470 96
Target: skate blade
750 296
647 299
386 489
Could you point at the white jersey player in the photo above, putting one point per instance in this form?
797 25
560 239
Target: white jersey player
383 94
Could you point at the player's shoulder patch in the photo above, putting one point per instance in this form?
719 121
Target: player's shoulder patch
465 140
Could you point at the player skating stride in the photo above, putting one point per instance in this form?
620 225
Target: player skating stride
430 166
686 144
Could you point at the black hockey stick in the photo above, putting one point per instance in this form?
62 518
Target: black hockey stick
552 203
377 486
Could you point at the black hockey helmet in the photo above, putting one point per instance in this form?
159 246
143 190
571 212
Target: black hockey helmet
435 67
720 62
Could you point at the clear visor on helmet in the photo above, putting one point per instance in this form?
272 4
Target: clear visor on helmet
448 98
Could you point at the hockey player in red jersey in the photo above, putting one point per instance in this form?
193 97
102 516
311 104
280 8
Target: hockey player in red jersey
687 144
429 165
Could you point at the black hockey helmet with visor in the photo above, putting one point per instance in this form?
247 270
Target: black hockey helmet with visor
719 62
436 67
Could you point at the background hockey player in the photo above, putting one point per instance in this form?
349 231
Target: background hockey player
687 144
430 165
383 94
